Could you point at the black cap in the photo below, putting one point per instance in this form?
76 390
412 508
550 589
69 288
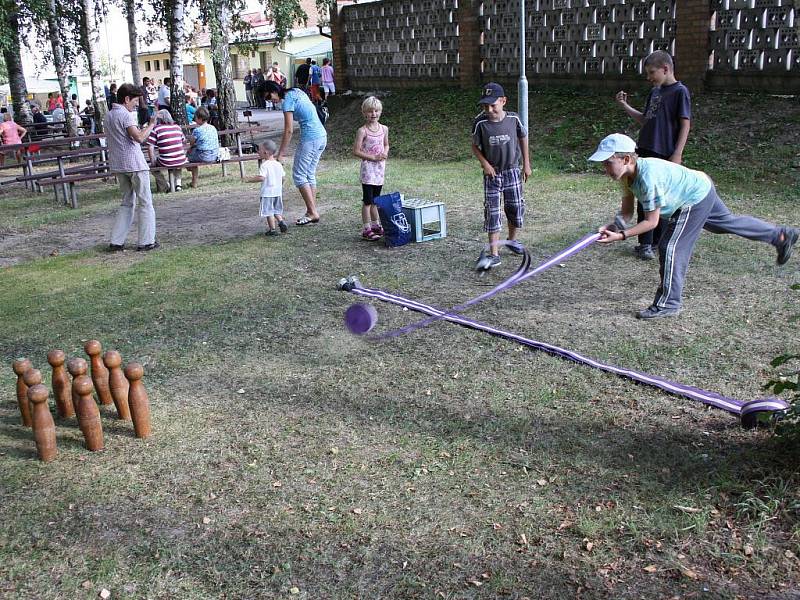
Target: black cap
490 93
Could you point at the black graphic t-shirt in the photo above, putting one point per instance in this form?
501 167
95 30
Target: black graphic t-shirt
665 107
498 142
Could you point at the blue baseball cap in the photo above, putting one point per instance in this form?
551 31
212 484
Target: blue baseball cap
610 145
490 93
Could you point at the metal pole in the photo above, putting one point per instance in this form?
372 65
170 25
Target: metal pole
522 86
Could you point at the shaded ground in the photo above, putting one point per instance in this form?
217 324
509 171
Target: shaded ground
187 219
293 460
200 216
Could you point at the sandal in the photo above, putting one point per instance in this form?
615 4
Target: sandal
369 234
305 220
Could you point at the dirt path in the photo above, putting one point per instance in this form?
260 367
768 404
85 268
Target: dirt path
185 219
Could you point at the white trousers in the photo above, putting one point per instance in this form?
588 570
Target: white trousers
136 199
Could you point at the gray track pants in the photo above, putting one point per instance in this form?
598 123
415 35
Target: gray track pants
681 233
136 197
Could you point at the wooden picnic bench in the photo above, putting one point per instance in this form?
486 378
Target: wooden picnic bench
32 148
67 180
70 181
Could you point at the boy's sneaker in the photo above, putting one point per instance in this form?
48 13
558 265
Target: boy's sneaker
271 232
786 245
486 261
116 247
653 312
645 252
283 227
377 230
515 246
370 235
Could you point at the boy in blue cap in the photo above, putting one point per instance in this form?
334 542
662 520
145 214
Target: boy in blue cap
689 203
499 140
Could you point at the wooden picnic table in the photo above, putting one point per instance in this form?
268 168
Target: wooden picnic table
30 148
59 156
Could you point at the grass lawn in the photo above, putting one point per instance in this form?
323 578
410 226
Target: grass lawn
291 459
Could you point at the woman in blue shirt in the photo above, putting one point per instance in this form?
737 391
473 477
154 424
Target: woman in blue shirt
297 106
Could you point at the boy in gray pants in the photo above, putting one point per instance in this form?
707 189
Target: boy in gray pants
688 201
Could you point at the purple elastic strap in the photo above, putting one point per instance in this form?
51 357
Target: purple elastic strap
520 275
748 411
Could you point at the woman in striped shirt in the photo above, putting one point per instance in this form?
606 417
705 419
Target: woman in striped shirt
168 140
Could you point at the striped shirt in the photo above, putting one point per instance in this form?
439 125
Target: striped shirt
124 154
168 140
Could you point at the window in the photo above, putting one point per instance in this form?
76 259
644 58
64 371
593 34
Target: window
166 64
156 66
241 66
147 65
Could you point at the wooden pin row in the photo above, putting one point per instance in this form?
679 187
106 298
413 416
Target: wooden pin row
124 389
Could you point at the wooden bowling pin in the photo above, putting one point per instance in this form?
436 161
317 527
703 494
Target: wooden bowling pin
118 384
31 377
88 413
44 429
137 400
76 367
62 391
99 372
20 366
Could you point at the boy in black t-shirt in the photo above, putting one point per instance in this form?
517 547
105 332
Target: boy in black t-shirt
498 141
665 127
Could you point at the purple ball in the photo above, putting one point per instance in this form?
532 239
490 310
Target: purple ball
360 318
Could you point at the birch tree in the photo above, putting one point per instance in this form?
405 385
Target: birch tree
177 35
217 15
133 40
61 67
90 41
9 39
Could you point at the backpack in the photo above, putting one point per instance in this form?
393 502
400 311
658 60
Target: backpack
322 112
396 228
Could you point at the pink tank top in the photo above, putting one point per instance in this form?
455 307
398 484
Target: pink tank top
372 173
9 133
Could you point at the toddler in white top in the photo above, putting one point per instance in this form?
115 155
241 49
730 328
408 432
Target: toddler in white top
270 175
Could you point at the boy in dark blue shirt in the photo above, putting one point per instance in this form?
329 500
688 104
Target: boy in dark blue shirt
665 127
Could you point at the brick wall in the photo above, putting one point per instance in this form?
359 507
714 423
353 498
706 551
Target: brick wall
738 44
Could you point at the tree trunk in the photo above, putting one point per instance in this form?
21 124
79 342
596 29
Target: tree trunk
176 40
61 68
90 39
221 58
16 76
130 14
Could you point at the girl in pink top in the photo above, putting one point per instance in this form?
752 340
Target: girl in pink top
11 133
372 147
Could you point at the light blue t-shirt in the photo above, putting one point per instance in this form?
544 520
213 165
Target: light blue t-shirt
668 186
207 138
304 112
190 110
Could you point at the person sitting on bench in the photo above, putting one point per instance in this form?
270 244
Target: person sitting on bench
204 142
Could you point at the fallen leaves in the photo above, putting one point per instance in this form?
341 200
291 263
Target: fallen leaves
688 509
478 582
